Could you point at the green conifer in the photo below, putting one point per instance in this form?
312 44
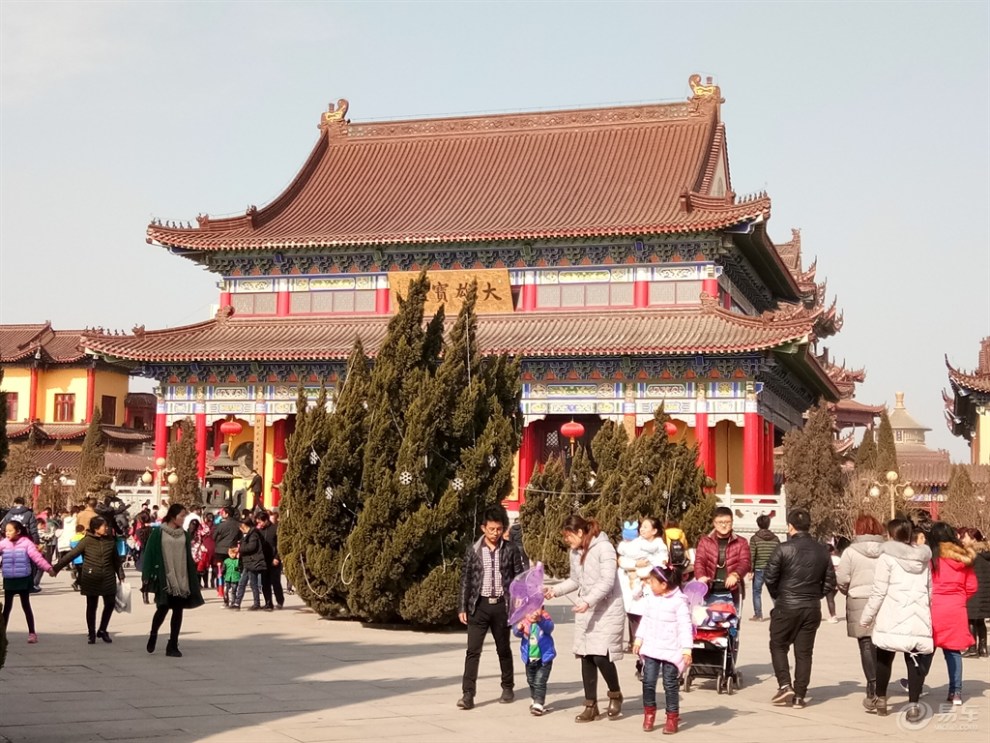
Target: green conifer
609 446
542 515
92 458
866 454
813 474
886 448
182 459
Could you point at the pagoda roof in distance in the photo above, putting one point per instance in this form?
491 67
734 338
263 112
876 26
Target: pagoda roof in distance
704 328
979 379
901 419
21 343
600 172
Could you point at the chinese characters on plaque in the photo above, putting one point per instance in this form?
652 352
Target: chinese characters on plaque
449 288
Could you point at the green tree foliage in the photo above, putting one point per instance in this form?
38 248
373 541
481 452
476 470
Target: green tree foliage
92 458
182 459
866 454
886 450
813 474
18 478
608 447
965 503
697 520
542 515
4 443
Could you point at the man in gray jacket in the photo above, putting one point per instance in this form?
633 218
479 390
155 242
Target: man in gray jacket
798 575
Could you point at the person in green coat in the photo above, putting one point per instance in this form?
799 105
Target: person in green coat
169 572
101 568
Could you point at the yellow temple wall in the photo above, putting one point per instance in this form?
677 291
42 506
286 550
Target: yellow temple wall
269 470
728 457
108 383
980 448
18 380
61 382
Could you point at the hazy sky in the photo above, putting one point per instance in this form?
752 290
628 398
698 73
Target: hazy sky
867 123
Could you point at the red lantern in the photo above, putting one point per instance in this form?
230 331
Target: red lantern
572 430
230 427
670 428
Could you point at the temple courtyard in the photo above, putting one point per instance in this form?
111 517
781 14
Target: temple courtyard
289 676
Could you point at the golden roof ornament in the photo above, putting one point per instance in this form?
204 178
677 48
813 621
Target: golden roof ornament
334 115
706 93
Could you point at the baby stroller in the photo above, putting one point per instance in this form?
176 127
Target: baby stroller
716 644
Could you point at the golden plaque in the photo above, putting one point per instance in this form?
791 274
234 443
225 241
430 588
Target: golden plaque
449 288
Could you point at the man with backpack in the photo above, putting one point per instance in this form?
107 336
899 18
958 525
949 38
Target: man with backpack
677 544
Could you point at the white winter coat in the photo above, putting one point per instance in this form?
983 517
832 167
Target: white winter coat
854 577
900 603
598 631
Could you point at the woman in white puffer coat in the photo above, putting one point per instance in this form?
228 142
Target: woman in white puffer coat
900 609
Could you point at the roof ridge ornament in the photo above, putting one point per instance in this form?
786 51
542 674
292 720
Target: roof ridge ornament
333 119
707 94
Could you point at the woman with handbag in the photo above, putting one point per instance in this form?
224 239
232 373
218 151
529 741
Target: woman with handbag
101 568
169 571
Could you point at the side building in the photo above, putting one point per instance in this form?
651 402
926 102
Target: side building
967 408
611 253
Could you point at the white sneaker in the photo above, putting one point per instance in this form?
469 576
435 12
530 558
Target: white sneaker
536 709
833 620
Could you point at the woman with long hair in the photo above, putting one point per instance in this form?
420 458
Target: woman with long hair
978 606
953 582
854 577
101 568
899 611
599 616
169 571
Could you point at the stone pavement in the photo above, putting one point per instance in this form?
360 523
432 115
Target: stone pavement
287 677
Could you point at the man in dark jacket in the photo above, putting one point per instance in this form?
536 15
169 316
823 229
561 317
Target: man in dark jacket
25 516
269 532
254 566
722 558
489 567
761 546
227 534
798 575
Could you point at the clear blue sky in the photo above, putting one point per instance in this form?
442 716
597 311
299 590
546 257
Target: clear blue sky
868 124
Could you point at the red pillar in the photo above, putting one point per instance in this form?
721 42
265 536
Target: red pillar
33 400
528 297
768 461
278 471
225 299
527 459
703 435
282 304
201 440
161 431
217 438
641 294
381 301
752 464
90 393
710 287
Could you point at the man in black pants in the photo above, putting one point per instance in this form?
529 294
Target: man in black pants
798 575
489 567
269 532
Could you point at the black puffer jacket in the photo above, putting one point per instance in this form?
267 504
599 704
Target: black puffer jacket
978 605
101 565
253 552
226 535
510 562
799 573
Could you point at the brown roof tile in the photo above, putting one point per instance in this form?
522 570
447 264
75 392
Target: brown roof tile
21 342
596 172
703 329
975 382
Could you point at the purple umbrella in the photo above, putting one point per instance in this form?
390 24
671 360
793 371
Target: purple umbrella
526 593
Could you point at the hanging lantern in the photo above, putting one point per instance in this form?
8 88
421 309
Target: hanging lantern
572 430
147 477
670 428
231 427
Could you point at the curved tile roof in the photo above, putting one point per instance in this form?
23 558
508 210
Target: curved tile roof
702 329
21 342
629 170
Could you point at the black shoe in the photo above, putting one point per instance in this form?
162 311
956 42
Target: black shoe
254 608
235 607
508 696
269 608
971 652
466 702
279 606
172 650
783 696
104 635
91 640
144 596
152 641
799 703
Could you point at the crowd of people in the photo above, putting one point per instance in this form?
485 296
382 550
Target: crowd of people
910 588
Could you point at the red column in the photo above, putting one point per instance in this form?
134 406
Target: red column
90 393
527 459
201 440
161 431
259 445
703 435
225 299
33 400
752 434
528 297
282 304
768 462
381 301
641 294
710 287
278 448
217 438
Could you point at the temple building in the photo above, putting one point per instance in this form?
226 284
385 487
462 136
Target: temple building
611 252
968 408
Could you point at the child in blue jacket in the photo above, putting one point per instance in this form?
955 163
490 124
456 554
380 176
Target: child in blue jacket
538 651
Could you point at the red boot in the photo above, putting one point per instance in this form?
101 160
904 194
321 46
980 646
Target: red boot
671 725
649 718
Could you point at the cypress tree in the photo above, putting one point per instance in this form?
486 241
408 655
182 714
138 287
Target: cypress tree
697 520
17 479
608 448
961 506
813 474
866 454
886 449
542 515
182 459
92 458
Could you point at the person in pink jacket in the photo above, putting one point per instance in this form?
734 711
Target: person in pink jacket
953 582
19 552
664 639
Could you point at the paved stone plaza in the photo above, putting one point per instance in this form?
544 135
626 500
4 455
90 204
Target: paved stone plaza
288 676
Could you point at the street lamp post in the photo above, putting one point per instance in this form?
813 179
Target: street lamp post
892 489
167 473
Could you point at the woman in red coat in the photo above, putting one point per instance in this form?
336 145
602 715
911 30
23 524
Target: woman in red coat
953 582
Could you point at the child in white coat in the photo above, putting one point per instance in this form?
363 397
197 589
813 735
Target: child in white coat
663 640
